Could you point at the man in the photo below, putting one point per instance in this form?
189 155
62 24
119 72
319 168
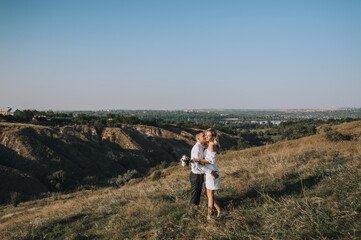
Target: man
196 176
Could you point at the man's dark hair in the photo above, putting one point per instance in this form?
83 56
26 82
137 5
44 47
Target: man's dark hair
197 133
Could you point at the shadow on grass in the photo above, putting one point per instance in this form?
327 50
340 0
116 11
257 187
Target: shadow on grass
275 189
75 226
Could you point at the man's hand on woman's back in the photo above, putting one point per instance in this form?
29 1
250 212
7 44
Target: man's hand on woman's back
215 174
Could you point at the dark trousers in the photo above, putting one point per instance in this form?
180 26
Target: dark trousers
196 187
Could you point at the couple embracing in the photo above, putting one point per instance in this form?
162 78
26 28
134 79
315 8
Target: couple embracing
203 162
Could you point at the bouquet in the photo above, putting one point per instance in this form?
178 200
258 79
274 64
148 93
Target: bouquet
185 160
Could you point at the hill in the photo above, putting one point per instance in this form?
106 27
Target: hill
39 159
307 188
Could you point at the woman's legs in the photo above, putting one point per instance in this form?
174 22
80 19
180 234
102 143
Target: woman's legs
217 207
212 203
210 195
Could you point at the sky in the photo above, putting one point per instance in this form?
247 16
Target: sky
171 55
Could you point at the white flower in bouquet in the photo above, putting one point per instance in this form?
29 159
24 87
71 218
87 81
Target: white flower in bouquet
184 160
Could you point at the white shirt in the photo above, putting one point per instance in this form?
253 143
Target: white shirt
197 153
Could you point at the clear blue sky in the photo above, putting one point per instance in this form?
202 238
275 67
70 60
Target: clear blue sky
88 55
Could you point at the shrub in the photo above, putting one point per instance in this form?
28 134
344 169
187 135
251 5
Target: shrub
58 179
117 158
162 165
249 139
294 130
123 179
335 136
15 198
157 174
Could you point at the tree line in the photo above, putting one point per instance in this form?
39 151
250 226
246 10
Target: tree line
249 133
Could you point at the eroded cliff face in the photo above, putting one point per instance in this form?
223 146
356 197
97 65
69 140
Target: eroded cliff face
55 158
120 138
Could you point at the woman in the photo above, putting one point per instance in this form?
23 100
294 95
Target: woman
212 183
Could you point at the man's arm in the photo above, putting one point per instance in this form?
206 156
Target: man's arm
196 154
203 168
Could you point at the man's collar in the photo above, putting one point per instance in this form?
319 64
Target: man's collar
200 144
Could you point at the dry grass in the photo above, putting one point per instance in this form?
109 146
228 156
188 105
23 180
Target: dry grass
301 189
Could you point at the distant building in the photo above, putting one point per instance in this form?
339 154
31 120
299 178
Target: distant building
5 113
9 113
17 112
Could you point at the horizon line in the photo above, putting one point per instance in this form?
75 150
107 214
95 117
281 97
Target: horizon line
201 109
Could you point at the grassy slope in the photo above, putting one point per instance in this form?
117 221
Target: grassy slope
306 188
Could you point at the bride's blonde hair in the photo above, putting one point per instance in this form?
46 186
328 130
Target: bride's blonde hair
215 137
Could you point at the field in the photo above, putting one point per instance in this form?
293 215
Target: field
307 188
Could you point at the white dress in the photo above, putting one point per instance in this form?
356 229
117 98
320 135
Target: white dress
211 183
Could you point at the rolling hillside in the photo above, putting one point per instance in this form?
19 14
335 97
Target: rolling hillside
308 188
36 159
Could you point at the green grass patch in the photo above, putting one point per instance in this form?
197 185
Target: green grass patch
60 229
